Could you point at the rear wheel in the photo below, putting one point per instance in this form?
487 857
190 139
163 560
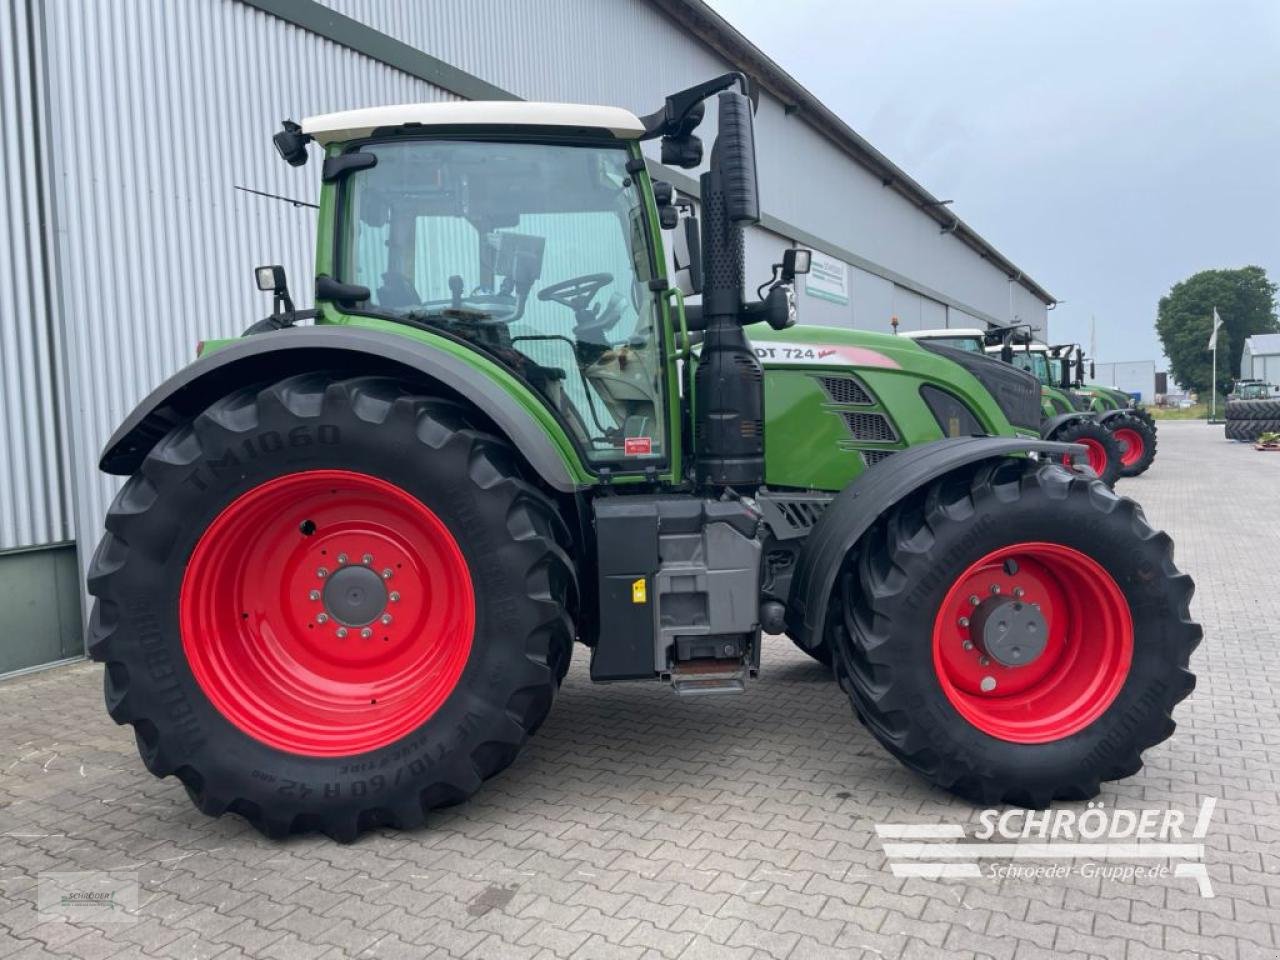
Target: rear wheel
1102 451
1137 442
331 605
1018 635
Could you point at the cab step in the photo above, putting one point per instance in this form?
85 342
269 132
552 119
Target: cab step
697 678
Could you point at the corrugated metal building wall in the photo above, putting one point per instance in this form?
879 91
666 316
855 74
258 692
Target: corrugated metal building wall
34 499
127 128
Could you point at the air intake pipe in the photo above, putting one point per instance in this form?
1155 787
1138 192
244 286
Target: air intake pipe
729 394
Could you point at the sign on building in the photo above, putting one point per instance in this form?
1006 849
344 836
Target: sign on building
828 278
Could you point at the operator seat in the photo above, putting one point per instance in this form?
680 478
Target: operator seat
397 291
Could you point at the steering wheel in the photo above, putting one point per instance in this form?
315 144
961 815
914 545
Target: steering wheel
577 292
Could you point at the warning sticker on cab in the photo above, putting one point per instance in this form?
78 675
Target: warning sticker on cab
821 355
637 446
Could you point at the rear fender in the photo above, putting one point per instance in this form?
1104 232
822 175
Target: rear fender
1054 424
271 356
857 507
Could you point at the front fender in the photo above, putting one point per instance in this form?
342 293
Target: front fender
1053 424
1108 415
270 356
863 501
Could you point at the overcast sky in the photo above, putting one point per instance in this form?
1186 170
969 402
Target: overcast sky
1109 148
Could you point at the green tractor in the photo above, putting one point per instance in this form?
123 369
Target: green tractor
1060 416
343 581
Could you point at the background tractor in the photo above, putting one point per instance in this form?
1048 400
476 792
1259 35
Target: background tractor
1132 426
1062 418
356 546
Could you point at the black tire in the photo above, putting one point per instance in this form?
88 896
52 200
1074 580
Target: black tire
1253 410
1146 435
510 537
1250 430
891 588
1089 431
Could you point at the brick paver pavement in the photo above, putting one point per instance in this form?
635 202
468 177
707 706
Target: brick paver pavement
640 825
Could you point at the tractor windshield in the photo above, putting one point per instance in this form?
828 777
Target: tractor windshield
966 343
534 253
1035 363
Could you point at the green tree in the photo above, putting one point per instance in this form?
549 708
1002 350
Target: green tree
1246 302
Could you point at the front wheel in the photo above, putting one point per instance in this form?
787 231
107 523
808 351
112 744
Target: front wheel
1137 441
1101 449
1017 636
330 605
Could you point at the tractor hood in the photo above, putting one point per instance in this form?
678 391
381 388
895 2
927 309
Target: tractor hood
838 401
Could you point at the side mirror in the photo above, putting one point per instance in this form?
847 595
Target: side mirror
795 262
687 252
1006 352
1092 375
291 143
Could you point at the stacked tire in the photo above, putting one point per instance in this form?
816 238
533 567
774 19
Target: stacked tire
1249 419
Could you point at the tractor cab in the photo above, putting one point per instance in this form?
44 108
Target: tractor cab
520 231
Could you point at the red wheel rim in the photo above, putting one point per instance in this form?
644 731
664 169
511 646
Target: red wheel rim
1131 440
327 613
1086 657
1095 453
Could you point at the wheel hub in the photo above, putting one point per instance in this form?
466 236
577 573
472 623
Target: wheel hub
1010 632
354 596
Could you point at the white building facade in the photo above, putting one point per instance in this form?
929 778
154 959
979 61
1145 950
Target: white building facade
134 133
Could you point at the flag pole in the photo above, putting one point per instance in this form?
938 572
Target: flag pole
1213 384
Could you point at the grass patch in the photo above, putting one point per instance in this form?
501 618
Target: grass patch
1199 411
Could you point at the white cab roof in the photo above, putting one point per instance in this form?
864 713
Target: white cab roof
953 332
352 124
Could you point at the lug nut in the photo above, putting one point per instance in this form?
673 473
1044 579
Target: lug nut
367 559
1019 592
395 596
313 595
386 573
322 573
342 632
995 589
322 618
968 645
367 632
964 621
984 662
342 558
973 600
988 684
386 619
